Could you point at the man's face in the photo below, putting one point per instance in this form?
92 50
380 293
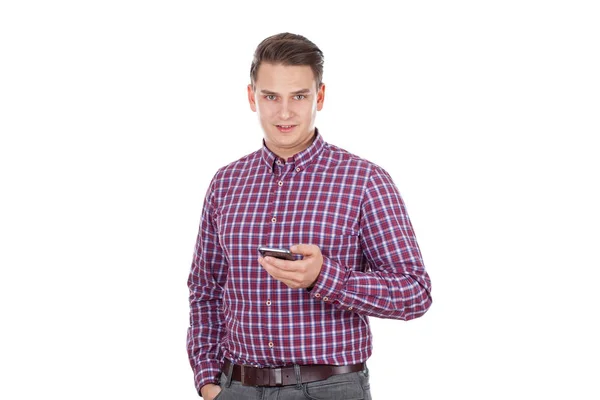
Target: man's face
286 100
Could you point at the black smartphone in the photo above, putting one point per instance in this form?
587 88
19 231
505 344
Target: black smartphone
284 254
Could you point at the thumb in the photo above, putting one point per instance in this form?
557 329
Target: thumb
305 249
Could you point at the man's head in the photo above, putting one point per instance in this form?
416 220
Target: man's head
286 91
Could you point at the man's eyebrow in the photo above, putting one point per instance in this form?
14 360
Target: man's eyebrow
301 91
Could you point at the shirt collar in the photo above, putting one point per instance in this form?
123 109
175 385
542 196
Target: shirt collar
301 160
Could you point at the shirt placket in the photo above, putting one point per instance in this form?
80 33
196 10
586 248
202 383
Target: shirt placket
282 172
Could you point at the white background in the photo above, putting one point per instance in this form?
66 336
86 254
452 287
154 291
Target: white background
114 116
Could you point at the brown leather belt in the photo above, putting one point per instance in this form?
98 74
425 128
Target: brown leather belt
253 376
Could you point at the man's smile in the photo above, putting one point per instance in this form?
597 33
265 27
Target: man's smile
285 128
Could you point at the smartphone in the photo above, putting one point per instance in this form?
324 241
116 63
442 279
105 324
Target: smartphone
284 254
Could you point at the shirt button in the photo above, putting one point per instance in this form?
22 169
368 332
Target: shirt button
273 219
317 295
268 302
298 169
350 308
271 344
325 298
280 183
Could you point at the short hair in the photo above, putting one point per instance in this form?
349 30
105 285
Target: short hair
288 49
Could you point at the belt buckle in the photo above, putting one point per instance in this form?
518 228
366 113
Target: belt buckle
252 376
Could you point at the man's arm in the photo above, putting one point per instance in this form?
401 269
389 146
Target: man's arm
396 285
206 280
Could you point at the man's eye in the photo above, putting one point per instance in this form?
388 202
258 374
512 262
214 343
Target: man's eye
299 97
270 97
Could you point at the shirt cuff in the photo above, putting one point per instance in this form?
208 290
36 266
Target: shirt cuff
330 283
207 372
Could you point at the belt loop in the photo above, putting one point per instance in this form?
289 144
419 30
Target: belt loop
229 373
298 377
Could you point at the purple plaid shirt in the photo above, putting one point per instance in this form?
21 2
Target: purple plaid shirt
372 265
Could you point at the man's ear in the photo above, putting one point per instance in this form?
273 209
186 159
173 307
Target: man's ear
320 97
251 98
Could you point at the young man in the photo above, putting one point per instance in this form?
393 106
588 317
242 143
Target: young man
263 326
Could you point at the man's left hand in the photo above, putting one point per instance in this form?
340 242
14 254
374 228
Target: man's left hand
297 274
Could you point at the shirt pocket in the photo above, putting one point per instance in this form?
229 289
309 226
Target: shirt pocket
344 386
342 246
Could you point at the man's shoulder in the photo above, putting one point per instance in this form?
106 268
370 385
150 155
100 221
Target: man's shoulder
344 158
235 168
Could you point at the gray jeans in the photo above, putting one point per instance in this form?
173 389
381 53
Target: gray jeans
351 386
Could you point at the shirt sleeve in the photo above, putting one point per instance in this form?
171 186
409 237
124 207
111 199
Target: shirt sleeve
394 283
206 281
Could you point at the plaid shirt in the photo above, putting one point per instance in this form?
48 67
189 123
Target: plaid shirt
323 195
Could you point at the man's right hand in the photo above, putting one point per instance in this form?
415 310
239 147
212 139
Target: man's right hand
210 391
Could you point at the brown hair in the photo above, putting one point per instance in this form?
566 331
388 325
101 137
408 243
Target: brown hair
288 49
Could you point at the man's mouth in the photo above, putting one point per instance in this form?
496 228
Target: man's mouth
285 128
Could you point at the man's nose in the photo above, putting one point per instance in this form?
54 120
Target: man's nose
285 112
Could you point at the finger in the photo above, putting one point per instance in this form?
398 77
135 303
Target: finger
269 264
279 274
305 249
284 265
271 270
